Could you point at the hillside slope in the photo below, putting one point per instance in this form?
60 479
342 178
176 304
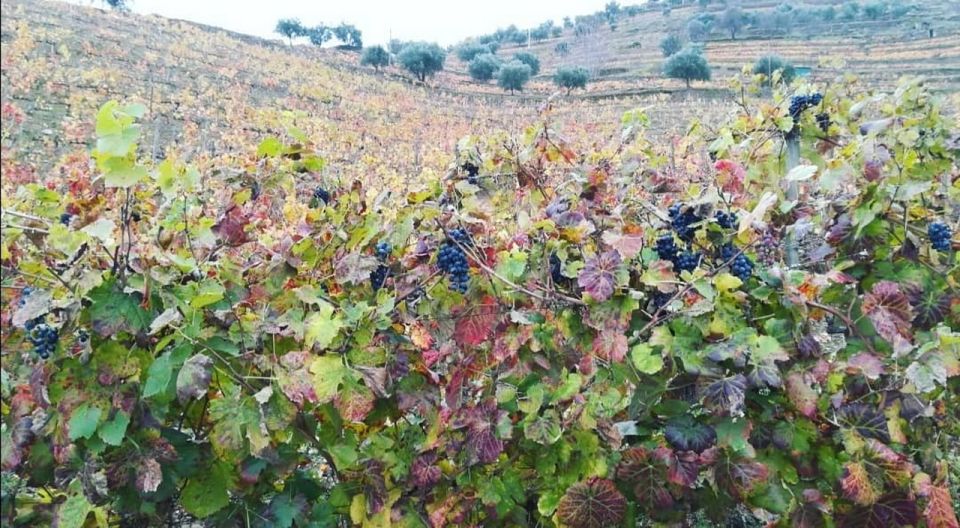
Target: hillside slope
879 51
204 86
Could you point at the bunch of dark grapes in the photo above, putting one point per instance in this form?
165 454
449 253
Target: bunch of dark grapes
65 218
659 299
742 267
666 248
682 220
44 339
940 235
799 103
727 252
383 250
453 261
555 269
688 261
321 195
727 220
823 121
768 250
378 277
472 172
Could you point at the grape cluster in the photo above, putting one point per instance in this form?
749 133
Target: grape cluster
44 339
682 220
453 261
742 267
799 103
727 252
321 194
940 235
688 261
727 220
768 250
378 277
555 271
472 172
823 121
666 247
384 249
65 218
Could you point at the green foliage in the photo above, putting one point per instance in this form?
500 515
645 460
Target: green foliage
571 78
225 358
319 35
290 28
530 60
422 59
733 20
467 51
513 75
484 67
770 64
376 56
688 65
349 36
670 45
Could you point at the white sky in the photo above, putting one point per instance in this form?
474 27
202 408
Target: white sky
443 21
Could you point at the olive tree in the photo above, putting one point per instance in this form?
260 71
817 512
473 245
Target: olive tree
688 65
513 76
422 59
483 67
376 56
571 78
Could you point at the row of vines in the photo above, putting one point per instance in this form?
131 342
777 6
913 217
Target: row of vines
721 330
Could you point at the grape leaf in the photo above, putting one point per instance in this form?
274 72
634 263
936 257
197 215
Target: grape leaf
686 434
328 371
645 359
194 378
113 431
475 325
83 421
598 277
857 486
206 492
889 310
112 311
73 512
594 503
322 327
149 475
894 510
939 512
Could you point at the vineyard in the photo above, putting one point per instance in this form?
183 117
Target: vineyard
245 284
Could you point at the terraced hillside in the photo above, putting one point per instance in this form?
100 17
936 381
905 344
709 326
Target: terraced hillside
879 51
204 86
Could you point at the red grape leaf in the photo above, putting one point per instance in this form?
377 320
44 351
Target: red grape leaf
610 345
801 394
598 277
894 510
867 364
594 503
856 485
889 310
476 324
939 512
